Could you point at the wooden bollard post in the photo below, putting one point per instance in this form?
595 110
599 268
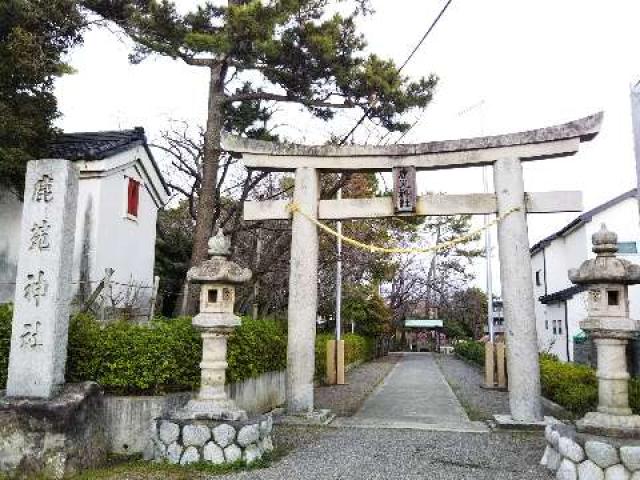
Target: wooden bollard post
340 362
330 375
489 365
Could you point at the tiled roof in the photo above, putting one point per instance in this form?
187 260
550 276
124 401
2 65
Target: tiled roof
95 145
89 146
562 295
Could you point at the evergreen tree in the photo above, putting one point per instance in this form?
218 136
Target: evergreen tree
34 37
277 50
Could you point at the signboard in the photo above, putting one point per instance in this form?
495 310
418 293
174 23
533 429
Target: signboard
404 189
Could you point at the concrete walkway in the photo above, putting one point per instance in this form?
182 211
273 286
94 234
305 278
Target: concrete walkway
414 395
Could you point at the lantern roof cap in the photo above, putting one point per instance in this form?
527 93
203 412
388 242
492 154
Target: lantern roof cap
606 267
218 268
219 245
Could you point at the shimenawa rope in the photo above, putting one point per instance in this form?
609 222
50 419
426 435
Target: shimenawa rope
293 207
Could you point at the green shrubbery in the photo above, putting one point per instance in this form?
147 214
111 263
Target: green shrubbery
571 385
164 356
256 347
472 351
161 357
6 312
634 394
134 359
356 348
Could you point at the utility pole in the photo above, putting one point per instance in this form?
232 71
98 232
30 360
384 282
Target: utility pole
256 286
480 106
487 249
339 354
635 120
339 276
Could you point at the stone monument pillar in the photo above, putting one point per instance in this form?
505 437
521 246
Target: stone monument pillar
607 278
47 429
216 320
43 281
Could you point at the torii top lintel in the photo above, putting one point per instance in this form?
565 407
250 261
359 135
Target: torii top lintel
556 141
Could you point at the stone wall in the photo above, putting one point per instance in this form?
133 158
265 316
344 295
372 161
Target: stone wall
128 419
52 438
261 394
577 456
212 441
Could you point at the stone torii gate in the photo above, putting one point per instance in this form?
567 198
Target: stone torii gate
504 152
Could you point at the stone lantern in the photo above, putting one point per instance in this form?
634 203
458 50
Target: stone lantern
217 277
606 279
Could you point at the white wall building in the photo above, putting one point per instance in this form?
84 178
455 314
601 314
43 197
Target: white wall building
560 305
120 192
497 315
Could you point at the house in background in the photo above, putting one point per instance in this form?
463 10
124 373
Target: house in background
120 192
497 314
560 305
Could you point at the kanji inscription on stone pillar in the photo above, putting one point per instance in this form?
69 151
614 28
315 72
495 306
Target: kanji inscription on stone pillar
404 189
40 236
43 281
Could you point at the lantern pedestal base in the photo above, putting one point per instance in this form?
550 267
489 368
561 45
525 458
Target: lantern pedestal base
623 426
202 409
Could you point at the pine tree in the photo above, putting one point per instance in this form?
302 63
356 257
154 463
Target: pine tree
300 52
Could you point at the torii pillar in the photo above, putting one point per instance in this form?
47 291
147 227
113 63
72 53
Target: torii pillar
504 152
517 293
303 294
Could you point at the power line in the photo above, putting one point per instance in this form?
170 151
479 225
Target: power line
404 64
424 37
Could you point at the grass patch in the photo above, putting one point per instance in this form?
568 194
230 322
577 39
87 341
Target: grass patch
119 468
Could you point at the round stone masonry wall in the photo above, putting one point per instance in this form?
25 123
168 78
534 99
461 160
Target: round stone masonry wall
214 441
572 455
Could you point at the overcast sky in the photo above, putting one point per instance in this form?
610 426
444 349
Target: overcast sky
504 66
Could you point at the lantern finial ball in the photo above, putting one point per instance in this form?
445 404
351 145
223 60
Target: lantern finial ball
604 241
219 245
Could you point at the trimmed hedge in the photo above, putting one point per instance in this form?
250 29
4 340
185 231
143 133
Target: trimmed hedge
471 350
256 347
356 348
164 356
130 359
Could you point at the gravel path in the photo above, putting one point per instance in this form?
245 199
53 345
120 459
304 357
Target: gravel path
380 453
351 453
481 404
465 380
345 400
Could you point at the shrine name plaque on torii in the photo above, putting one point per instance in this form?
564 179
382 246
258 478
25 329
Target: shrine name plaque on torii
504 152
